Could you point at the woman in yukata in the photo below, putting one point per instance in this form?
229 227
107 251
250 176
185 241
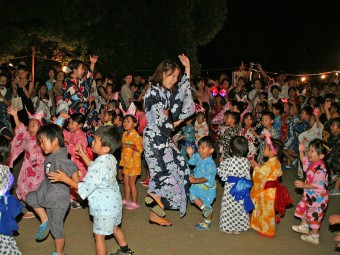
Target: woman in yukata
76 90
166 106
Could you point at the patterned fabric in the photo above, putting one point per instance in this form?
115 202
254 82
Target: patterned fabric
188 140
295 128
277 125
274 135
251 142
8 246
204 168
233 216
131 157
263 216
169 173
334 143
201 130
73 139
101 188
6 93
32 169
229 133
76 93
314 202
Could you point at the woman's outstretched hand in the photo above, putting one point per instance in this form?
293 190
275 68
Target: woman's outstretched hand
185 60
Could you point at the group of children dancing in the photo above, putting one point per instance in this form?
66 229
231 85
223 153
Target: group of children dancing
250 147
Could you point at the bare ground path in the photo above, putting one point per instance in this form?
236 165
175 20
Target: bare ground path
182 238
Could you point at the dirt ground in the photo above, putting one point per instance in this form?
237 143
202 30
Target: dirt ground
182 238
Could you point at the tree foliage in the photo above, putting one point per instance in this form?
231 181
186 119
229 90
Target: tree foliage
127 35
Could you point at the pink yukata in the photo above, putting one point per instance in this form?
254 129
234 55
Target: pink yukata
73 139
32 169
314 202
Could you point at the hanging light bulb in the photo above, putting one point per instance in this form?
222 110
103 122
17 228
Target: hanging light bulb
323 76
303 79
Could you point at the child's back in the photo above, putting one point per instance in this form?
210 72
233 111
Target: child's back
101 187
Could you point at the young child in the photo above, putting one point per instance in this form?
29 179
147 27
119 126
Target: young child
263 216
267 123
51 201
313 205
188 137
132 147
109 117
10 206
101 189
315 131
42 101
233 129
203 185
277 109
201 127
72 138
247 132
32 169
236 203
297 125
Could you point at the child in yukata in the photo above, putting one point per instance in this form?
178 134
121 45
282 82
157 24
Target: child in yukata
188 138
263 193
236 202
52 200
203 184
312 207
201 127
101 189
233 129
267 123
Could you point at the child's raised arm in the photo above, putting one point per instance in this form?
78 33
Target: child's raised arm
301 151
14 113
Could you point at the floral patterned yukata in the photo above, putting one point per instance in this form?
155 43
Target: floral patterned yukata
32 169
168 170
314 202
76 93
263 216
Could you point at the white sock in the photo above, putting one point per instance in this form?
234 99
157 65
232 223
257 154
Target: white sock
202 207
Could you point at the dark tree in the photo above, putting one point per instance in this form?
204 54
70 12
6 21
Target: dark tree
127 35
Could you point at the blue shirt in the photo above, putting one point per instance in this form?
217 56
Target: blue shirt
100 187
189 133
205 168
277 125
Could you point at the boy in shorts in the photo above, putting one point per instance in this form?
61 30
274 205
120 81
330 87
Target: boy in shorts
101 188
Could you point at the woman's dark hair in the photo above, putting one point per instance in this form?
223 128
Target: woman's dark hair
223 80
51 132
166 66
54 71
109 136
78 117
74 64
198 80
5 148
246 116
239 146
208 141
22 67
43 84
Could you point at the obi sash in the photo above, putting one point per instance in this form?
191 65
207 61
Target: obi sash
241 191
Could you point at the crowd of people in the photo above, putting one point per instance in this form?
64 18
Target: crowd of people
82 134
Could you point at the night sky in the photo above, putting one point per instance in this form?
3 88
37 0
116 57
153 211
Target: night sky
296 36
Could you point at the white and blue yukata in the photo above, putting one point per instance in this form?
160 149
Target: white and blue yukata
205 168
101 189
